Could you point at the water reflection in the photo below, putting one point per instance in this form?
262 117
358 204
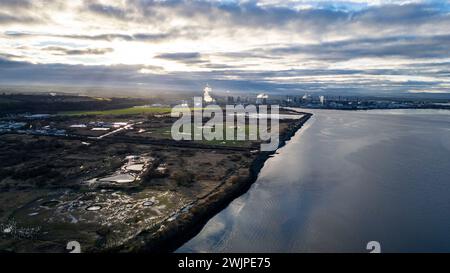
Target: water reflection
346 179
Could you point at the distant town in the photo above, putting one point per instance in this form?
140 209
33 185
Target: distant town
342 102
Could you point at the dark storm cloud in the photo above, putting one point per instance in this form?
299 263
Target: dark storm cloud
14 71
402 46
7 64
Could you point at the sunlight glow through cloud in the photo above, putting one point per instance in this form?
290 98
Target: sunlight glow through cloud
265 45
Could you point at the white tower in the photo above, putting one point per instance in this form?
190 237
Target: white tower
322 99
207 94
261 98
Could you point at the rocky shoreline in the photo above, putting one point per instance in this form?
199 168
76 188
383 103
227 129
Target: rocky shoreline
174 233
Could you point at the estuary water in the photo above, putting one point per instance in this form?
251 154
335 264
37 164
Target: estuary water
346 178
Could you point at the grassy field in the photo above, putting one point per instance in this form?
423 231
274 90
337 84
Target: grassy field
123 111
165 133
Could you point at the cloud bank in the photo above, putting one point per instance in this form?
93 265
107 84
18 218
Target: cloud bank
390 47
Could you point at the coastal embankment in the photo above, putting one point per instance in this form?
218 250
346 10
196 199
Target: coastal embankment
175 231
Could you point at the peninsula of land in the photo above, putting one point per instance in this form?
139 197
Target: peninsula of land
113 179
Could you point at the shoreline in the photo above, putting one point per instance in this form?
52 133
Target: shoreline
172 234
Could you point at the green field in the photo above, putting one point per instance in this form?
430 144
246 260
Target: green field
123 111
165 132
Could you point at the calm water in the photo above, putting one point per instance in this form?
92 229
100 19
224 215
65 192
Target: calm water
345 179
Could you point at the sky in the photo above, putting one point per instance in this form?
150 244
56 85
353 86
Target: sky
297 46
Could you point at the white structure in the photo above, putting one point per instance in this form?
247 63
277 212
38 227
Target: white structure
261 98
207 94
184 103
322 99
